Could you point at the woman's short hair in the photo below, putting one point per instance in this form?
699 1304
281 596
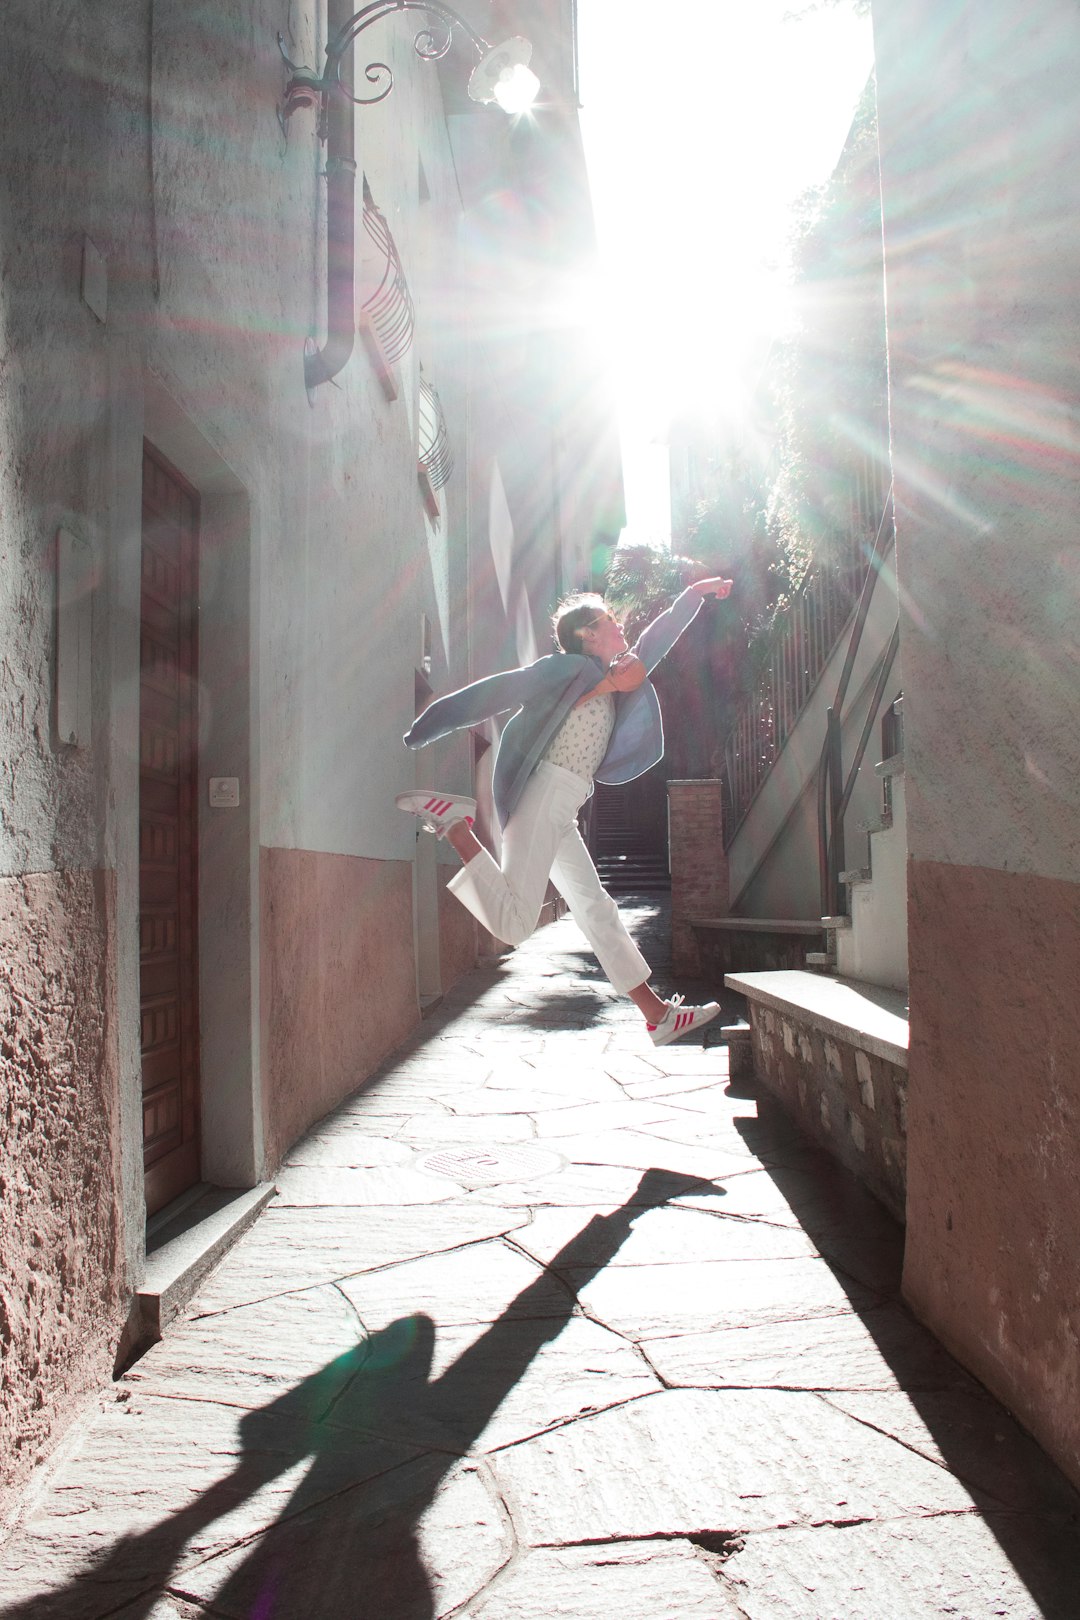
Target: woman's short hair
571 617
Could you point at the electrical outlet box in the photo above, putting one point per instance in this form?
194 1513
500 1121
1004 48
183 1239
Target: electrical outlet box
224 792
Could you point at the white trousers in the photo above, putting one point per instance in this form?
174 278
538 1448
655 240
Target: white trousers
541 840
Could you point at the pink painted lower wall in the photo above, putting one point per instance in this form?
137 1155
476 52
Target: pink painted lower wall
992 1262
62 1295
337 981
458 934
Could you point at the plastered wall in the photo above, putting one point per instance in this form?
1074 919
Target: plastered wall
154 138
144 142
64 1179
61 1299
979 121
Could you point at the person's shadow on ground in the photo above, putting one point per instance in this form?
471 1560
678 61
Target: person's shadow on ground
382 1437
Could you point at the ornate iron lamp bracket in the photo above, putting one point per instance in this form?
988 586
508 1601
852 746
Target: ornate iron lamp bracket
306 88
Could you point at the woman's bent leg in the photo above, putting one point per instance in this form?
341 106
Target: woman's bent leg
507 899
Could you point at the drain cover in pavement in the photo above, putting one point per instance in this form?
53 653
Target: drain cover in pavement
486 1167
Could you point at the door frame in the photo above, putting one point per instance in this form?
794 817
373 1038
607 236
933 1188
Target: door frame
232 1149
178 1169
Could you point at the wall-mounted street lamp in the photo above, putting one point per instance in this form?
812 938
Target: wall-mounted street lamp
501 75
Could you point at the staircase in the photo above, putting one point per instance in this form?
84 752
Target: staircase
831 1044
870 942
630 852
829 1039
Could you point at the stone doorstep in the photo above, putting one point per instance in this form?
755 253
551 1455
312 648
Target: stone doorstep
185 1242
865 1016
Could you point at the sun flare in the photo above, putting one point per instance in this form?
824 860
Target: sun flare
695 162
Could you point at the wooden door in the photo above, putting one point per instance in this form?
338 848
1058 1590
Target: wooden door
168 773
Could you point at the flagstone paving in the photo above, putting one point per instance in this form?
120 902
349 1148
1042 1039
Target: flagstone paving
544 1322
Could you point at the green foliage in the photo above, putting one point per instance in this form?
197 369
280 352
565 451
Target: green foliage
810 499
829 379
641 581
822 410
699 679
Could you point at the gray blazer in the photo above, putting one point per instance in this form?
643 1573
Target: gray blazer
543 695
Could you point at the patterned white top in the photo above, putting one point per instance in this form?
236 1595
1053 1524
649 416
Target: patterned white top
581 741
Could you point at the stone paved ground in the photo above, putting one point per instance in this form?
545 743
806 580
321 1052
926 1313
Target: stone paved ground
637 1353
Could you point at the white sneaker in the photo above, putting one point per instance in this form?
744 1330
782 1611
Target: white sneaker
438 811
681 1020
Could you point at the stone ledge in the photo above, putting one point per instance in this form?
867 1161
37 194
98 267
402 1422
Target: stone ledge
760 925
866 1016
754 944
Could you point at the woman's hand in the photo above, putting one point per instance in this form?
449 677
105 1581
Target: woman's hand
626 674
713 587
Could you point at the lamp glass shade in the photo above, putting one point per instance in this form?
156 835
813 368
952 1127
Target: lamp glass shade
503 75
517 90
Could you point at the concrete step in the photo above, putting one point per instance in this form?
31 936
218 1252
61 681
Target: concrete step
185 1241
621 869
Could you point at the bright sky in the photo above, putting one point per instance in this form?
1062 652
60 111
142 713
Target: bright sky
702 122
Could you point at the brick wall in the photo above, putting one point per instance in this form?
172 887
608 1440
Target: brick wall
699 871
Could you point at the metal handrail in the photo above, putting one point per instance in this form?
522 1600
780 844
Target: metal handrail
806 638
834 792
884 531
868 725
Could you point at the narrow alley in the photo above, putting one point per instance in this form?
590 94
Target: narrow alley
544 1322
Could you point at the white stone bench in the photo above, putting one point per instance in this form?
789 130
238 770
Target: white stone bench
867 1016
835 1053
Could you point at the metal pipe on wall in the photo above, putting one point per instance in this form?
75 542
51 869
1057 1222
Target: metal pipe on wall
326 362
